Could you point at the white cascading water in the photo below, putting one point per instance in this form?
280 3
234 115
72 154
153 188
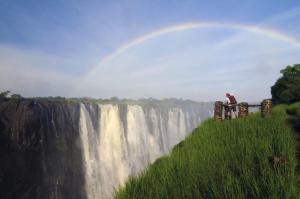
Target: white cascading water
117 145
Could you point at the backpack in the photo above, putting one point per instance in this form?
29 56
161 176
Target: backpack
232 99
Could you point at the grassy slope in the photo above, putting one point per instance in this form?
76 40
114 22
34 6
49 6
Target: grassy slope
294 121
294 109
224 160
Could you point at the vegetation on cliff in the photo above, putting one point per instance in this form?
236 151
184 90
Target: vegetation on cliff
146 102
251 157
294 109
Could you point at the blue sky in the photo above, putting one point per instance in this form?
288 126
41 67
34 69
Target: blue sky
49 47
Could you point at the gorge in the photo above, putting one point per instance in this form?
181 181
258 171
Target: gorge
61 149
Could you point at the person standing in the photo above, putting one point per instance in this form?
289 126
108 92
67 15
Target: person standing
231 102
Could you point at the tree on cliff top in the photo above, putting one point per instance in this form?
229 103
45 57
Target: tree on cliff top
287 88
4 93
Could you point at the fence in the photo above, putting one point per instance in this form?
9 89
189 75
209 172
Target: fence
243 109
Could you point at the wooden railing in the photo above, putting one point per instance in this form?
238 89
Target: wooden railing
243 109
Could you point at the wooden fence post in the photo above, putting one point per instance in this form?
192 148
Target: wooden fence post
243 109
218 111
266 106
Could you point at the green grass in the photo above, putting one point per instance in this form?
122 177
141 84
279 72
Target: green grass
294 109
228 159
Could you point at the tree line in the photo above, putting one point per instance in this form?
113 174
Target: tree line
287 88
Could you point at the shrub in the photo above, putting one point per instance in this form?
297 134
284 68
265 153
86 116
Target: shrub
287 88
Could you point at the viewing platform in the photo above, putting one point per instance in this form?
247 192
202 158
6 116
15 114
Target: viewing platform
224 111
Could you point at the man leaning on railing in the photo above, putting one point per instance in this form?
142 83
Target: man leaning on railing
231 103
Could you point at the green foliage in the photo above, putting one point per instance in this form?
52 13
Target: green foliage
149 102
114 99
294 109
229 159
4 93
53 98
294 115
16 96
287 88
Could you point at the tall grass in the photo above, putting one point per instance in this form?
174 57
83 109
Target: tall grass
294 109
229 159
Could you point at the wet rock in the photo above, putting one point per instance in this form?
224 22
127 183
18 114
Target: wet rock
39 157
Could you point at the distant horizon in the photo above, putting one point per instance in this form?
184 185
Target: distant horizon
113 98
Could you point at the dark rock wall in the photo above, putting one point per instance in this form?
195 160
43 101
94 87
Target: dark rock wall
40 154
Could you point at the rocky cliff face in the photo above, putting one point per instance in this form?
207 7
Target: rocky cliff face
63 150
40 153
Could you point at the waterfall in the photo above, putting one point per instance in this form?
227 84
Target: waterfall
120 140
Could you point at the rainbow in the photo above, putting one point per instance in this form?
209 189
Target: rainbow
195 25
